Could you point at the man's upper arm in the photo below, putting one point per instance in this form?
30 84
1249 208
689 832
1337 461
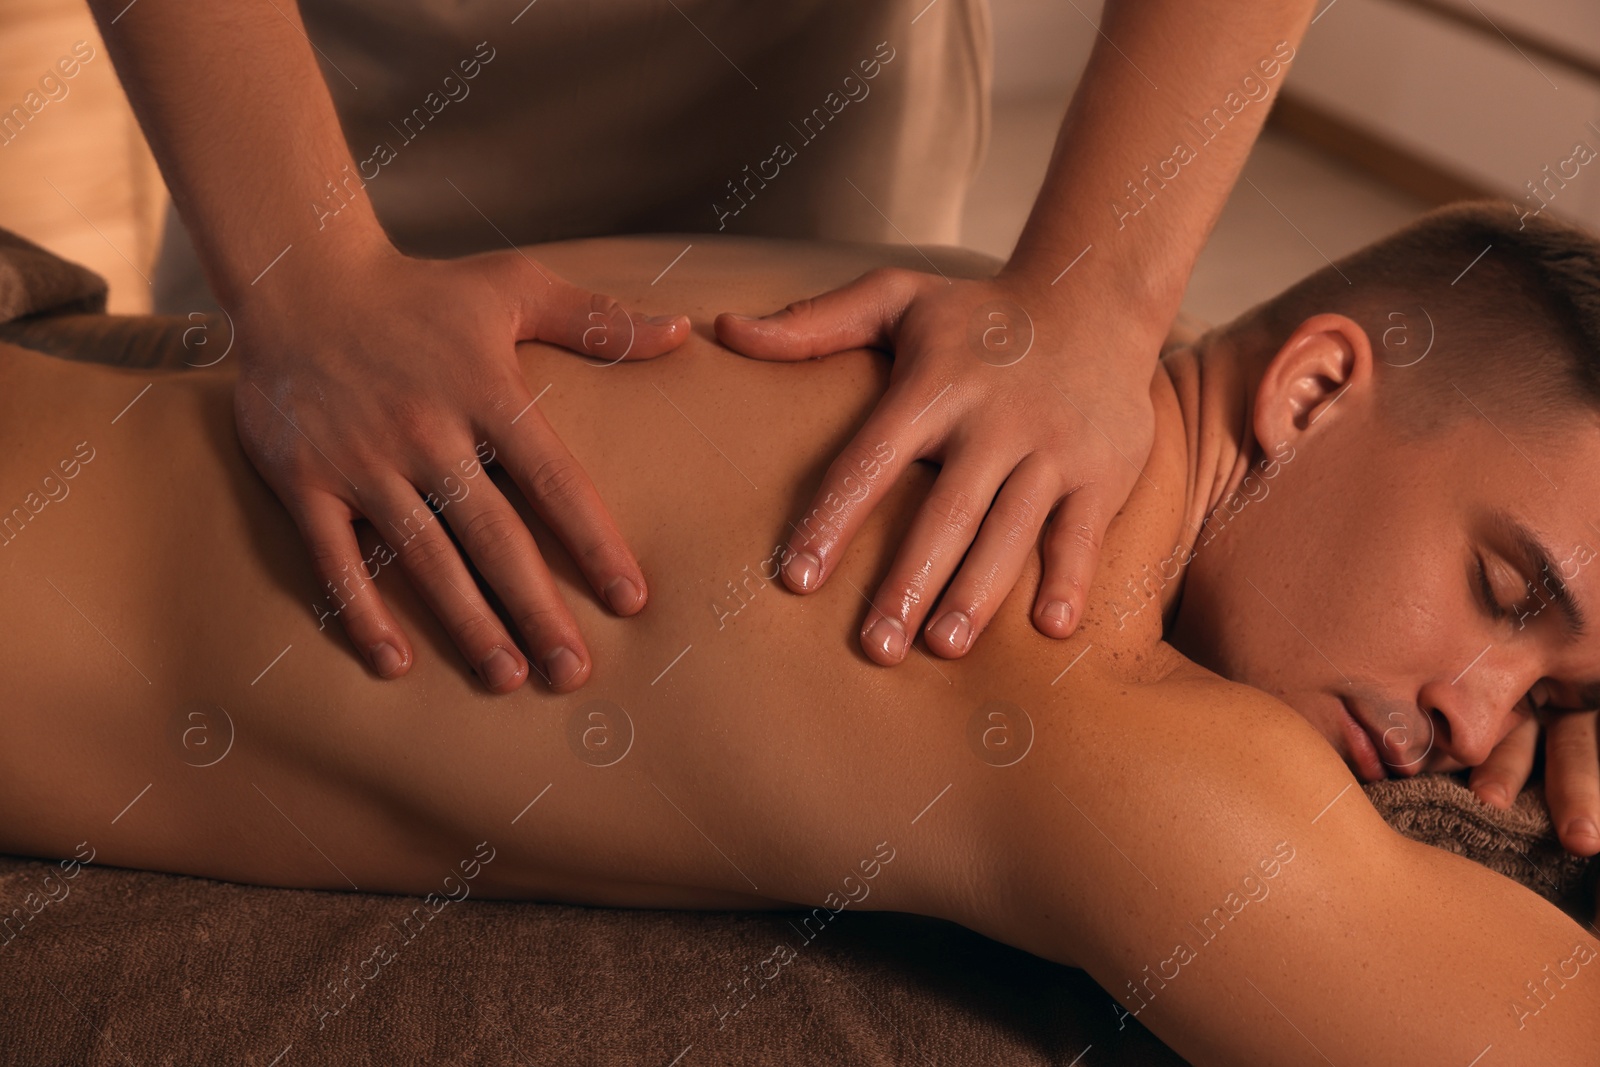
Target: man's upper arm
1209 859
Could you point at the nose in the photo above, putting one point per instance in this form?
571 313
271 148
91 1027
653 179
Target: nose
1470 714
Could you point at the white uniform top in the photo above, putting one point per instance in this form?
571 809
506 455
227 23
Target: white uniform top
854 120
610 116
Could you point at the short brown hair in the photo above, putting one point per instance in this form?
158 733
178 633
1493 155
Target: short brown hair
1507 303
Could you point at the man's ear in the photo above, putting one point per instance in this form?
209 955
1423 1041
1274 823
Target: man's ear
1326 357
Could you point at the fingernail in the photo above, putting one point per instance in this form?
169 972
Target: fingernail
803 570
622 594
561 666
1493 794
1582 828
889 637
386 659
498 668
1057 611
954 629
741 318
661 320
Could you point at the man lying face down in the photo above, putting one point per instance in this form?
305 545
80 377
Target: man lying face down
1418 587
1293 592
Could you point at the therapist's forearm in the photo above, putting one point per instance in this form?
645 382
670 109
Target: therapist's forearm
1119 184
237 114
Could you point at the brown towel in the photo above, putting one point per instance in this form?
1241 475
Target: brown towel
128 967
36 282
56 307
1520 842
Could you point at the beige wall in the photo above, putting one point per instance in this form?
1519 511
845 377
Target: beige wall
1466 100
1570 24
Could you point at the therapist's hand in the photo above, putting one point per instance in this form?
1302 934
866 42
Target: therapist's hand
1571 773
372 383
1015 388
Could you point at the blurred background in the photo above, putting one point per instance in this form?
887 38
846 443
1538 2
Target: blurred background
1392 106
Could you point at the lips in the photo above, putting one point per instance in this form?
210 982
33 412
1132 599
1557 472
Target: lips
1363 748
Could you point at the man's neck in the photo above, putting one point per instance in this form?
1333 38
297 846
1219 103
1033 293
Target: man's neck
1215 381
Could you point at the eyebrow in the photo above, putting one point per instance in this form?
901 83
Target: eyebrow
1535 558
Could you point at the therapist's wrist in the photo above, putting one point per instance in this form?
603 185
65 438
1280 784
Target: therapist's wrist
1075 287
1140 281
312 272
1120 327
284 252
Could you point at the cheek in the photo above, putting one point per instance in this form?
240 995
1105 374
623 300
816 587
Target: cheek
1406 600
1412 620
1351 574
1278 595
1254 573
1429 626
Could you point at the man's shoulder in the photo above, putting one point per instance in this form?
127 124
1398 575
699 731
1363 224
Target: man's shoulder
1205 854
1188 716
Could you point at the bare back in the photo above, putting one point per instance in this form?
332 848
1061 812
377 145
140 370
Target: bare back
732 737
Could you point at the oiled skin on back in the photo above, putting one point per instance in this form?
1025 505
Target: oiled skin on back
765 763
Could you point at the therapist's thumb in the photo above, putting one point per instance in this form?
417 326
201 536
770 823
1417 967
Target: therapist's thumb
593 324
861 314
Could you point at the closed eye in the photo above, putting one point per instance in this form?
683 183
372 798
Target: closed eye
1496 610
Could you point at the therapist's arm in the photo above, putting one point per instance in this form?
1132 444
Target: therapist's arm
1032 389
370 381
